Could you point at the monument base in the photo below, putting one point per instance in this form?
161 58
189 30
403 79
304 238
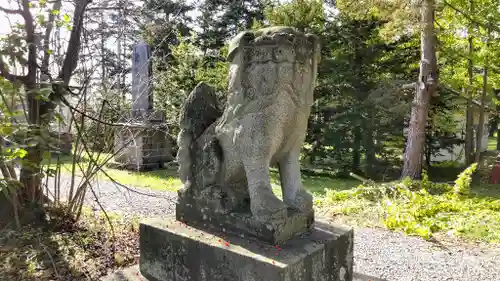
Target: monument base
243 224
171 250
132 273
142 146
136 167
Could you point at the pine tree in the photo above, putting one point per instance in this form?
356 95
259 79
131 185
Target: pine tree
164 21
222 19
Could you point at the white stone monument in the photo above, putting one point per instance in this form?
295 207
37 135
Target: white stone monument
144 142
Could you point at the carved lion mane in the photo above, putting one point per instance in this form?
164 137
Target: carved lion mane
224 155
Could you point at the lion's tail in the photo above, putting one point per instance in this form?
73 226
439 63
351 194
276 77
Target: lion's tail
200 110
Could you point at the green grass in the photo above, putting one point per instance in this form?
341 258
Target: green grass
318 185
167 179
159 180
492 144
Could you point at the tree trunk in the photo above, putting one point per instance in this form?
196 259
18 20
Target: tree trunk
497 118
356 151
427 84
480 129
30 171
103 61
428 152
469 130
493 126
498 139
39 112
369 145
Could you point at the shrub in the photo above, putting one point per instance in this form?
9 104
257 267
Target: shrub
424 208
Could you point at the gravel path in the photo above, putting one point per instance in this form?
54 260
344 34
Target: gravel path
396 257
126 201
378 253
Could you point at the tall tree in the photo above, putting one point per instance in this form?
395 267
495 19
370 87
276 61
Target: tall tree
222 19
39 18
164 24
402 18
353 101
305 15
426 88
480 129
469 130
471 59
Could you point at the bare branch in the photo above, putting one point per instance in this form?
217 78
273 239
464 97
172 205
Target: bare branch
10 77
71 59
104 8
49 255
30 40
66 102
46 40
11 11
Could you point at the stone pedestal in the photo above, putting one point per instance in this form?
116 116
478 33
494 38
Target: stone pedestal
171 250
243 223
142 145
63 142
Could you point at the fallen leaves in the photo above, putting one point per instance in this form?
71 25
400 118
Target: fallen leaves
85 250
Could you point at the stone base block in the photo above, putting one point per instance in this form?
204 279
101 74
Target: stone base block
142 146
243 224
173 251
132 274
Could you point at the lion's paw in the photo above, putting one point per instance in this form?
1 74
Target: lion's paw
302 202
268 207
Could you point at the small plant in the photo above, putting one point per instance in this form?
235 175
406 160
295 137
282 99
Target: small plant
463 182
446 164
422 207
425 183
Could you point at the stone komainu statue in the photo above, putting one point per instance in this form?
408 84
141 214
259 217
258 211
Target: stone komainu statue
225 154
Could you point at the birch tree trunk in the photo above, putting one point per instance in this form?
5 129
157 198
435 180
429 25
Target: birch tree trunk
480 129
469 130
426 87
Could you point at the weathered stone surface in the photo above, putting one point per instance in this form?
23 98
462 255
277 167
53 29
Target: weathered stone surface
142 146
132 274
244 224
141 78
127 274
171 250
142 142
224 155
63 142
